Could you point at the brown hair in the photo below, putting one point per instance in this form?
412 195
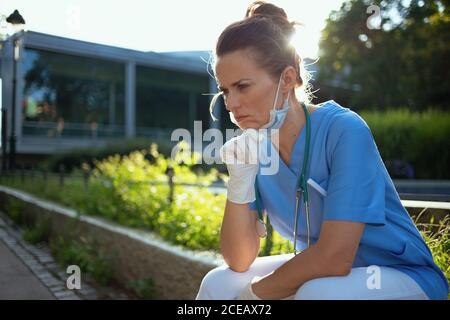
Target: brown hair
266 32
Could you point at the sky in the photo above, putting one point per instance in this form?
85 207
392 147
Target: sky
156 25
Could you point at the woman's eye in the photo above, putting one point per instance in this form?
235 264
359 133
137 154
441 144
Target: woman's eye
242 86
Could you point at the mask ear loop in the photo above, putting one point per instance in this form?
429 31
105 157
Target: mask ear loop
276 97
287 100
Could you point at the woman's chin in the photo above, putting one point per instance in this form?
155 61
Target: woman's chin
248 125
245 127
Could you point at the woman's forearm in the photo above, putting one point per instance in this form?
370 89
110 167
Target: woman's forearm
286 280
239 241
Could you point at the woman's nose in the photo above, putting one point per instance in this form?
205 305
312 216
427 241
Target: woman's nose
232 102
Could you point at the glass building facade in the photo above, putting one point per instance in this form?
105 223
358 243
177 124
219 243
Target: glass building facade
168 99
71 92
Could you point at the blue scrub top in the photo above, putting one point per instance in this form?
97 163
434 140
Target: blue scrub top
352 184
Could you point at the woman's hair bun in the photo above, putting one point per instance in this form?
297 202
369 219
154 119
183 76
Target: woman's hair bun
264 8
278 15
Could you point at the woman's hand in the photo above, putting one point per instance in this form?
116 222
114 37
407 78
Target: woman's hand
241 155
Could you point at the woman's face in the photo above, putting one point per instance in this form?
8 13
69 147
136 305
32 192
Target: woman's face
248 90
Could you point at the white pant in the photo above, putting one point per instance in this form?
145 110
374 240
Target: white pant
364 283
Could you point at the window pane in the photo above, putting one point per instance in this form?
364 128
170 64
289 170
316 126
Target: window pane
72 96
167 99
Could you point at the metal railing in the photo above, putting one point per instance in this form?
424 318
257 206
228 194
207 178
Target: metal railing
22 173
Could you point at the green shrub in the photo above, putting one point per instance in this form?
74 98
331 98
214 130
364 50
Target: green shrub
145 288
185 221
38 233
437 237
14 211
84 254
421 139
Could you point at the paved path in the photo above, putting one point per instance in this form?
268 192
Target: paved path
17 281
30 272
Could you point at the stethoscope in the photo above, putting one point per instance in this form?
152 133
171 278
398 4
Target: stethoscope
300 190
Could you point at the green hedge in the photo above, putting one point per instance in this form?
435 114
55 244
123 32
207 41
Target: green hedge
420 139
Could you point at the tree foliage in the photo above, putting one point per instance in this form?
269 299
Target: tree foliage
400 59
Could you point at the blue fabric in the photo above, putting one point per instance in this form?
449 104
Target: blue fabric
347 166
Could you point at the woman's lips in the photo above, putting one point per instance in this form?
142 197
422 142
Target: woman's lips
240 118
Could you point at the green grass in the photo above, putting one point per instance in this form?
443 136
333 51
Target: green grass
437 237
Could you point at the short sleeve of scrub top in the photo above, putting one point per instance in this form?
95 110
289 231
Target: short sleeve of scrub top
356 188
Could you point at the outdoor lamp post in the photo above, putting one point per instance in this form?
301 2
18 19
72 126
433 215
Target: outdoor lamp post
4 133
4 167
17 22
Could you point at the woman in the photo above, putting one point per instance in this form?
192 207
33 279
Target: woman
363 244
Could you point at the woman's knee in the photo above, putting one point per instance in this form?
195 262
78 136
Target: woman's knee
316 289
215 276
218 283
209 281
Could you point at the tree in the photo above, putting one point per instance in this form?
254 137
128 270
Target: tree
404 62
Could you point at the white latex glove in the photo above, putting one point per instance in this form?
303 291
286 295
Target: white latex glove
247 293
240 154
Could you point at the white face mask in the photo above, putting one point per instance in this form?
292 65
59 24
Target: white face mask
277 116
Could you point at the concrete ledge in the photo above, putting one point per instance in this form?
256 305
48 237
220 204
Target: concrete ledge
437 209
136 254
426 204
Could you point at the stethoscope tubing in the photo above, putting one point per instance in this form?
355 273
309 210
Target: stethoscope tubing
301 190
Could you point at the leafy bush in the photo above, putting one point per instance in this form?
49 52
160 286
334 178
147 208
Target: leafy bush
14 211
437 236
38 233
421 139
185 221
144 288
84 254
